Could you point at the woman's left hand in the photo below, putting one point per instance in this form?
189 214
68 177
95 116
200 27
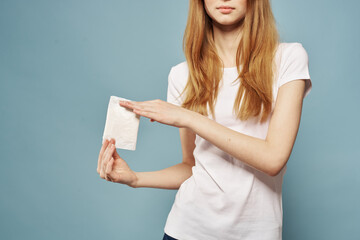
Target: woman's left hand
160 111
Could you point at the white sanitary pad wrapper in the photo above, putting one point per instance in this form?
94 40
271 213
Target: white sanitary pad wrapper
122 124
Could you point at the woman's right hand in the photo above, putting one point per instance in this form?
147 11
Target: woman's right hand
112 167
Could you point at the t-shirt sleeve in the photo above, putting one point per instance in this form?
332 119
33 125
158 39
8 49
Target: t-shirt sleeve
173 91
295 66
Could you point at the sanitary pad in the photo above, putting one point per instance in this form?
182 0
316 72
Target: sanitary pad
122 124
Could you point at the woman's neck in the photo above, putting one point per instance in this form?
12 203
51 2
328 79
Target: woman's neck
227 39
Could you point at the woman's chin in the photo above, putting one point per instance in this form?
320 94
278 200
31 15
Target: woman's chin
228 24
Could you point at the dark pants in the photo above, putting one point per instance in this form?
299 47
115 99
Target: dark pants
167 237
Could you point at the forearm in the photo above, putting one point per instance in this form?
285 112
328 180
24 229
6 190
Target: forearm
168 178
253 151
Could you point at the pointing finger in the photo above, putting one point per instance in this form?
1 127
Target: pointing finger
102 150
107 154
107 157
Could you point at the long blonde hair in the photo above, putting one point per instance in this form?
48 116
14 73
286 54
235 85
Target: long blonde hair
255 53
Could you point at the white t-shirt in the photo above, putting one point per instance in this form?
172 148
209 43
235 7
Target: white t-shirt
226 198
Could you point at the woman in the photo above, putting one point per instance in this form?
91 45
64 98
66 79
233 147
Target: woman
238 122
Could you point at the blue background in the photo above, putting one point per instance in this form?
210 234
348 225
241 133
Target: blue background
60 61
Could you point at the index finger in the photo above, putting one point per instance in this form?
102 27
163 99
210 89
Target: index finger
126 104
106 142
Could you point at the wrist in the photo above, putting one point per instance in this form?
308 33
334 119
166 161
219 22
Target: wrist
190 119
134 183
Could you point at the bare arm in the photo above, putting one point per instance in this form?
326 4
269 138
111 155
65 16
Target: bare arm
271 154
172 177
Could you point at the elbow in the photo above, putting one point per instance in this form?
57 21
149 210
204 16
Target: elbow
276 166
273 171
276 157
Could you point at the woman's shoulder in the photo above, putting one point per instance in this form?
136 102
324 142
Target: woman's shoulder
290 55
179 74
286 49
292 63
180 68
290 45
